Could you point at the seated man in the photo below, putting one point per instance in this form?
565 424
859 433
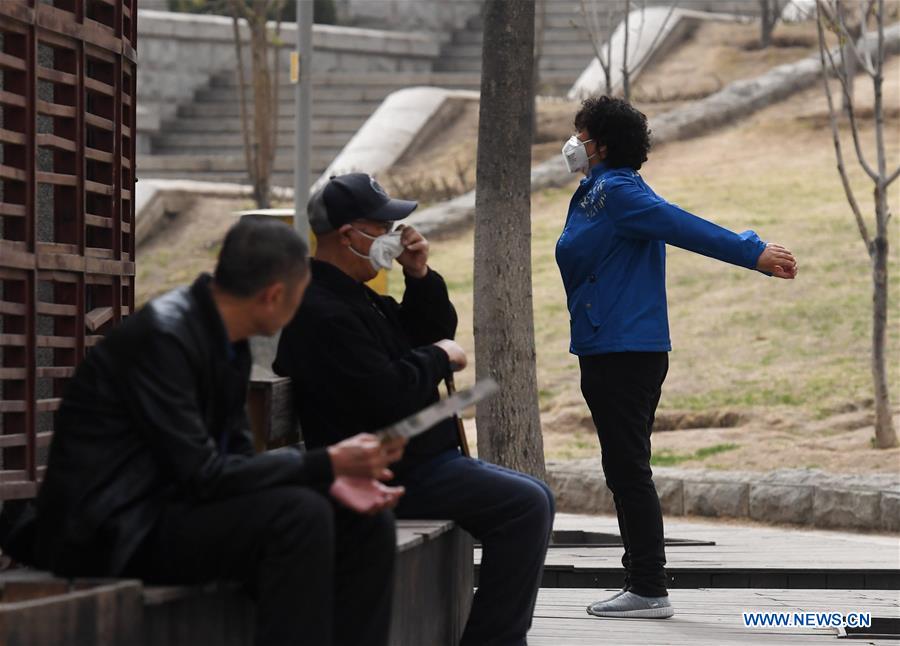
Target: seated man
151 472
360 361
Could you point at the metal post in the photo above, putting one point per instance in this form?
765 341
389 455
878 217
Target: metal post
303 117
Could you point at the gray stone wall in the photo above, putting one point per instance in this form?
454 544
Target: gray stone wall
178 53
437 16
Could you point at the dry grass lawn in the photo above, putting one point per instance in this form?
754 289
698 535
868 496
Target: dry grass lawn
790 357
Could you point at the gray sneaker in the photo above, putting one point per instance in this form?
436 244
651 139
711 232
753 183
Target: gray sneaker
629 604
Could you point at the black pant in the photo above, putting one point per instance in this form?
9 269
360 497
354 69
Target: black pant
511 514
321 574
622 390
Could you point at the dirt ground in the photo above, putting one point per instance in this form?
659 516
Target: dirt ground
789 360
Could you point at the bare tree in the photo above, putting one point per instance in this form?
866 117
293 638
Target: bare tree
509 427
870 59
599 23
769 14
260 143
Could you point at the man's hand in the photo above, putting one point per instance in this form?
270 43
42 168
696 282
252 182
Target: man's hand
414 258
364 495
365 456
778 261
456 354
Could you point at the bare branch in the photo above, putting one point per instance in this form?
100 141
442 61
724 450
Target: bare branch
844 34
892 177
842 171
851 113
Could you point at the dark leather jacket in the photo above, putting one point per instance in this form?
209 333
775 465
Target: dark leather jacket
154 414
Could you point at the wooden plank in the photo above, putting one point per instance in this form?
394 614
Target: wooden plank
98 155
8 209
12 339
53 141
48 405
50 341
98 188
56 76
12 137
20 439
10 172
57 248
15 254
12 99
57 179
97 221
56 309
55 372
12 62
99 122
98 252
13 373
13 309
97 318
56 110
98 86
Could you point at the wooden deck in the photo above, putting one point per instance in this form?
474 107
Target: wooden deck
743 556
702 618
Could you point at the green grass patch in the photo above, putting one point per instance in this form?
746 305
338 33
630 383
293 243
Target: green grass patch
667 458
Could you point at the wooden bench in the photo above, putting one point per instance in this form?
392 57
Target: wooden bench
433 581
432 593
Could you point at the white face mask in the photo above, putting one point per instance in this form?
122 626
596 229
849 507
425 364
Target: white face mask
575 154
384 250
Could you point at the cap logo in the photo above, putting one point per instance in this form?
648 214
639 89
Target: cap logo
377 188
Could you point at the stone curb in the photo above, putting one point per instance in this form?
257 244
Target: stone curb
796 496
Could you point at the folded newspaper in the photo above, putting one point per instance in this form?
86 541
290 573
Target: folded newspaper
427 417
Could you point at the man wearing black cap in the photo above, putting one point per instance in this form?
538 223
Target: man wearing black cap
360 361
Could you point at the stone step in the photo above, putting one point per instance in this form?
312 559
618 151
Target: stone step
216 163
328 94
561 48
188 140
233 177
285 124
342 107
391 79
284 147
360 111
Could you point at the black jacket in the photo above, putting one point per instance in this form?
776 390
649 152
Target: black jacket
155 414
359 361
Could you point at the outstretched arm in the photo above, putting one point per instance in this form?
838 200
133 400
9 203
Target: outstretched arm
638 213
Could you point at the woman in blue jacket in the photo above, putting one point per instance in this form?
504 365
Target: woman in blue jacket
612 255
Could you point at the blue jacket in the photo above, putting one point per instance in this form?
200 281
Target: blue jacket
612 257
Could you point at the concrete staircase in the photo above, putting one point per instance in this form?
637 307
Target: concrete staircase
567 48
204 141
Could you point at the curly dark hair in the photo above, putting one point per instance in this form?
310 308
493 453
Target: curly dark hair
619 126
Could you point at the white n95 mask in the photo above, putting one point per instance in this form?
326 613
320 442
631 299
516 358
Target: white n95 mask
575 154
384 250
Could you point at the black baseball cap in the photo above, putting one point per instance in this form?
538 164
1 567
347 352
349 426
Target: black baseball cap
354 196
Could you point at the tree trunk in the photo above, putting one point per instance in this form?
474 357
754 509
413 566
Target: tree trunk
509 429
540 19
626 81
768 18
885 434
262 98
